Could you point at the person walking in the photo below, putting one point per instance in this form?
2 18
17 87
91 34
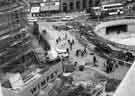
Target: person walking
77 53
65 36
57 41
70 45
85 50
94 60
67 50
75 65
68 42
82 53
73 42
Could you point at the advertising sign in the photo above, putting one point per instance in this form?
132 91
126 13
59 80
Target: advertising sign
35 9
34 87
49 6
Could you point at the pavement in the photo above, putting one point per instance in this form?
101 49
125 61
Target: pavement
53 34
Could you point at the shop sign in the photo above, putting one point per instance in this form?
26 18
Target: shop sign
50 6
35 9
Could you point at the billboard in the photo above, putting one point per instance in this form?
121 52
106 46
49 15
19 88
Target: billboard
50 6
35 9
39 82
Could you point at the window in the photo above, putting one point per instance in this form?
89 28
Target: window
71 5
90 2
65 7
78 4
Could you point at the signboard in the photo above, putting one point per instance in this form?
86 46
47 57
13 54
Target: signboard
34 87
49 6
35 9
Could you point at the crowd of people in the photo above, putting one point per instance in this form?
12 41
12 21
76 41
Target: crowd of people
81 52
70 42
109 65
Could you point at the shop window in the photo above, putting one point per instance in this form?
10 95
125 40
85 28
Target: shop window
71 5
78 4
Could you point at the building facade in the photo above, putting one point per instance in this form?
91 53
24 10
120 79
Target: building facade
72 5
44 7
93 3
22 53
16 50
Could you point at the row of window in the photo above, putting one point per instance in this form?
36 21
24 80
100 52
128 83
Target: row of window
71 5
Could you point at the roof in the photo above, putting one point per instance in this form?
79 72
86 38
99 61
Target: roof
10 7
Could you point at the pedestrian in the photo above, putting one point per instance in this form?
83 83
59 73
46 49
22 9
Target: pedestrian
94 60
73 42
85 50
70 47
65 36
68 42
107 68
82 53
67 50
75 65
57 41
77 52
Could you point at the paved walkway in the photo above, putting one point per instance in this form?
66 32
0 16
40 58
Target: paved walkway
52 35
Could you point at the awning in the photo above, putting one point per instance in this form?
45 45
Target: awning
35 9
